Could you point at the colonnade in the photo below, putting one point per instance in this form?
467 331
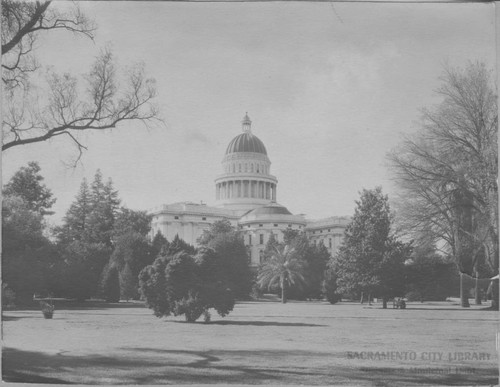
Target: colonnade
246 189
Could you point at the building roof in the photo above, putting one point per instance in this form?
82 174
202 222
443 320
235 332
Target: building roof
272 212
272 209
246 142
190 208
334 221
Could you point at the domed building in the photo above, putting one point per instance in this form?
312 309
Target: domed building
246 195
246 182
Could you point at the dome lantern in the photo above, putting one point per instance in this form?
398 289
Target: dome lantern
246 124
246 141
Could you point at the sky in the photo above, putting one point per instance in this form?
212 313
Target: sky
330 89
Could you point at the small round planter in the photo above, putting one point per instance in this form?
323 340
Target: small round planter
48 315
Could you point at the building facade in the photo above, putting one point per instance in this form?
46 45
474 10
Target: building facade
246 196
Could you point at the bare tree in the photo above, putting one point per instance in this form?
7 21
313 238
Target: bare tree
446 173
21 23
62 104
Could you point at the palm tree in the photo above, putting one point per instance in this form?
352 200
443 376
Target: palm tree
282 267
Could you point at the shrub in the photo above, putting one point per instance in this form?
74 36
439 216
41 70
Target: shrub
185 285
191 307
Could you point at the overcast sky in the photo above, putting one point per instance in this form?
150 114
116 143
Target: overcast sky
330 88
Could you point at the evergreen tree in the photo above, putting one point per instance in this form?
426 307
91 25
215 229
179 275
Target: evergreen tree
317 258
84 264
178 245
228 245
111 284
132 252
128 284
104 205
27 183
160 244
128 220
76 222
86 237
370 260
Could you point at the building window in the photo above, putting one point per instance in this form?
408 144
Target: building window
329 229
330 242
251 165
290 225
250 239
314 232
204 218
239 167
176 217
275 224
261 256
261 225
261 239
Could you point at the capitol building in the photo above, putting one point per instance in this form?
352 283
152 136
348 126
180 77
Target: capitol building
246 196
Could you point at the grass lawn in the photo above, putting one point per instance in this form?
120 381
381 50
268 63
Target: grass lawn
312 343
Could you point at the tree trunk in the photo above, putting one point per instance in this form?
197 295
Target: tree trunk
369 298
362 298
464 293
283 292
477 292
384 303
494 295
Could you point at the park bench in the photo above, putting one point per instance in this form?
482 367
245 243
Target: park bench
398 303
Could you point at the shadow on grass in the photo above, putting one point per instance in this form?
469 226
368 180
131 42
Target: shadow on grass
75 305
458 309
158 366
16 318
253 323
98 305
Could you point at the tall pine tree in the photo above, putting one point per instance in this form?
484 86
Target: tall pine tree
86 236
75 227
104 206
370 259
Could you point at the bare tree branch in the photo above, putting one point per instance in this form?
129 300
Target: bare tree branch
64 104
447 172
